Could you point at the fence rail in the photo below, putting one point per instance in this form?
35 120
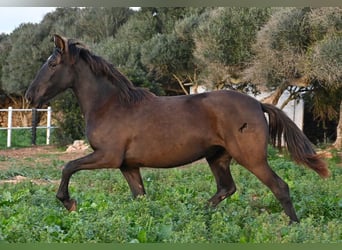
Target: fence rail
9 127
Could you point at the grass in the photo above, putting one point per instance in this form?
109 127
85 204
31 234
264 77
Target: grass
175 209
22 138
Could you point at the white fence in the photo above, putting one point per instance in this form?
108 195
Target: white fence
9 128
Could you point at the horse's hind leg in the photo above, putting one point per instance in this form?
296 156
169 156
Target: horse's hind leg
134 180
225 184
279 188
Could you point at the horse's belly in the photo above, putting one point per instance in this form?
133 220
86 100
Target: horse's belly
164 156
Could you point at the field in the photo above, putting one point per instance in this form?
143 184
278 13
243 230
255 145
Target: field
174 209
22 137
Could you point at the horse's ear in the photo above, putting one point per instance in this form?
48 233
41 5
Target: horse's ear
60 42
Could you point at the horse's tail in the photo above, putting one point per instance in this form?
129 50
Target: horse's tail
299 146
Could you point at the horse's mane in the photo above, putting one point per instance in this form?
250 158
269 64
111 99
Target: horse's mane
128 93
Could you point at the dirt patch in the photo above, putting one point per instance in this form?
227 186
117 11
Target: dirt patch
20 178
30 156
29 151
37 152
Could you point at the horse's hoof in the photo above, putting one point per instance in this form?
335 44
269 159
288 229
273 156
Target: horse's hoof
71 205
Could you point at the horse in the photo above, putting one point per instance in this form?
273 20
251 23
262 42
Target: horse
129 127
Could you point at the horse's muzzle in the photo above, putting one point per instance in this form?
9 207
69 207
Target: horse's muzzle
29 96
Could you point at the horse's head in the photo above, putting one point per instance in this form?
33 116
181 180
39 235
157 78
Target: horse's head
54 76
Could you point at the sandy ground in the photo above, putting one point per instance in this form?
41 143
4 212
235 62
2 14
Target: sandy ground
32 155
36 151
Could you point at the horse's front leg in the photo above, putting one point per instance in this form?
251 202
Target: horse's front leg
94 160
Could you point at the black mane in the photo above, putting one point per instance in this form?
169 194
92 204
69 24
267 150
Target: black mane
128 93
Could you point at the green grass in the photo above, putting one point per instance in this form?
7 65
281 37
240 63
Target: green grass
22 138
174 210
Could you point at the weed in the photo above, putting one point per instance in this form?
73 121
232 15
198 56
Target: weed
174 210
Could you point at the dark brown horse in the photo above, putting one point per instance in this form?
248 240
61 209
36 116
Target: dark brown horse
129 128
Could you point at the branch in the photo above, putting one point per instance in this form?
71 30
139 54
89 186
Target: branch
273 98
181 84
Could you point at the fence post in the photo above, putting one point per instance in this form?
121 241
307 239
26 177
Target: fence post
34 126
9 127
48 126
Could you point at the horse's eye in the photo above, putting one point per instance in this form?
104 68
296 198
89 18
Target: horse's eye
53 60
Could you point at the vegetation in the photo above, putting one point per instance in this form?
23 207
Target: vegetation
299 49
175 209
166 49
22 138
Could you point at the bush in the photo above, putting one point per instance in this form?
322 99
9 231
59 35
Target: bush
70 122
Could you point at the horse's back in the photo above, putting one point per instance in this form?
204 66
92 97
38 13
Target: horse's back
234 109
179 130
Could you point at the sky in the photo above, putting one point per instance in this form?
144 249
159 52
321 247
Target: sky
12 17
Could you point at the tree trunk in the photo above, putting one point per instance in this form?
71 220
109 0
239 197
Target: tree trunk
274 97
338 142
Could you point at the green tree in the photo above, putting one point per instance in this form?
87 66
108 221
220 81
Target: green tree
127 50
324 63
22 61
224 41
279 50
95 24
5 47
299 49
63 21
165 18
169 56
123 50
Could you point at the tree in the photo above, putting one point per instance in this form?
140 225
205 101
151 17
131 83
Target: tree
224 41
96 24
22 63
5 47
299 49
324 63
280 48
124 50
147 43
168 55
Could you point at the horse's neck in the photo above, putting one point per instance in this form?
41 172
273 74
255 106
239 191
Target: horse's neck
93 92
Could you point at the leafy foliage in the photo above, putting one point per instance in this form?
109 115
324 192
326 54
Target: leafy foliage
70 122
174 210
167 54
227 34
325 61
224 40
297 43
23 61
163 48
